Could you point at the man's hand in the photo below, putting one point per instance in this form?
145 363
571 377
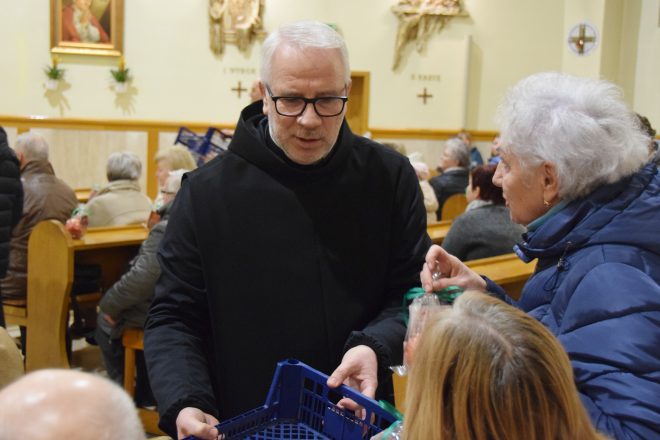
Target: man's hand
108 319
358 370
192 421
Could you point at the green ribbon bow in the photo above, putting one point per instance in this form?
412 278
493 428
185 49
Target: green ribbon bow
447 295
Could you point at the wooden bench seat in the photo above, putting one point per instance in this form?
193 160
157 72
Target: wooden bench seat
133 340
507 270
438 231
51 257
15 311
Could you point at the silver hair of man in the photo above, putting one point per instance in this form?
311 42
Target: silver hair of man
303 35
581 125
48 404
457 150
32 145
123 165
173 182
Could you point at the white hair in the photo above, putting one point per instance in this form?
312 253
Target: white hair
123 165
173 182
51 403
303 35
457 150
32 145
580 125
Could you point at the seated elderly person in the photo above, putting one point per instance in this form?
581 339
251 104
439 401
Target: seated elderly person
45 197
485 229
430 201
174 157
454 165
66 404
575 170
126 303
475 155
120 202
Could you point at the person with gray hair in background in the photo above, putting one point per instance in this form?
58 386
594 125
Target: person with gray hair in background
64 404
454 164
120 202
45 197
575 171
298 242
126 303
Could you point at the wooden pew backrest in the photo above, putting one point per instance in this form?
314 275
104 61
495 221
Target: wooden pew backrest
49 278
453 207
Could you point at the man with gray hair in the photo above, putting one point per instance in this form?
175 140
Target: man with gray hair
66 404
45 197
121 201
298 242
454 164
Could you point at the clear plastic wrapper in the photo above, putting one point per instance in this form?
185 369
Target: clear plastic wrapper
77 224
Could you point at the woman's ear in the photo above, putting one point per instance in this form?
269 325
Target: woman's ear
550 183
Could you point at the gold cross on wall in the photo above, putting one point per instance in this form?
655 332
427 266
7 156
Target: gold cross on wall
425 95
581 39
239 89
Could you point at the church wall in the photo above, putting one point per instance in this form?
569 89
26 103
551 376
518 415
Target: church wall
177 78
647 85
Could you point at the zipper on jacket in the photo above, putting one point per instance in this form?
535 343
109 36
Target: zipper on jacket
562 265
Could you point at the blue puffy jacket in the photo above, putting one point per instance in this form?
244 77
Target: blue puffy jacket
597 288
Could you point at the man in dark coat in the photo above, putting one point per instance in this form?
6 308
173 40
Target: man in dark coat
299 241
454 178
11 203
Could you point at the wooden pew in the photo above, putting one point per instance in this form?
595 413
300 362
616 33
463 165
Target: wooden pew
453 207
133 340
51 257
82 194
438 231
508 271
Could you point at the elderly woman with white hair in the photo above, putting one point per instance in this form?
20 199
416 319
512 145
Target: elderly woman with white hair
120 202
574 170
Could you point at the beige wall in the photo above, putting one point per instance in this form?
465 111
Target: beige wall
176 77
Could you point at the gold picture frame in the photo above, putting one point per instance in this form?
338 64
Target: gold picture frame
87 27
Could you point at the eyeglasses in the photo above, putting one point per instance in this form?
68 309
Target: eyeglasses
324 106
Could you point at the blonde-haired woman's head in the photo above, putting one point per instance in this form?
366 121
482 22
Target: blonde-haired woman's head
173 158
485 370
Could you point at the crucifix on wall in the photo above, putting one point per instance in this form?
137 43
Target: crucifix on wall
425 95
239 89
582 38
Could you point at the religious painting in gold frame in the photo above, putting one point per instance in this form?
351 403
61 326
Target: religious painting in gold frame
87 27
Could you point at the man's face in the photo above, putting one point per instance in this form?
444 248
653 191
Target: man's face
446 161
308 73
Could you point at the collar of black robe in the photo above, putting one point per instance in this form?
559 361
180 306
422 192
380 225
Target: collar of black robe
252 142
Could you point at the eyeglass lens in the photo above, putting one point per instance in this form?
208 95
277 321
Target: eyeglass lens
329 106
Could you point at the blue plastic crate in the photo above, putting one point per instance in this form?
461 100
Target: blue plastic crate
301 406
200 145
